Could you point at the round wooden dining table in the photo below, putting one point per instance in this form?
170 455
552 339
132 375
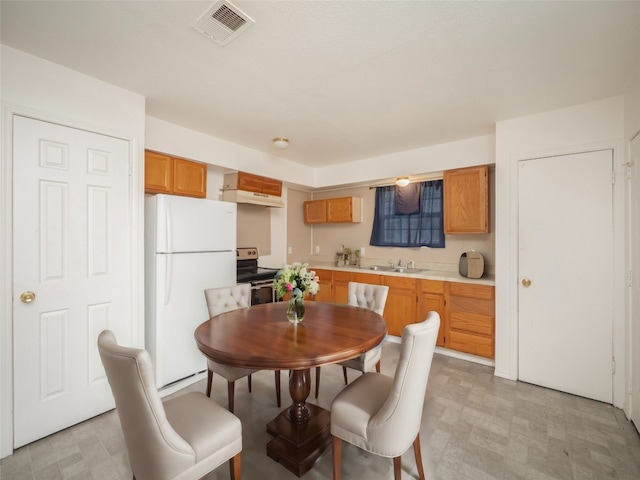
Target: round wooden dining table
261 337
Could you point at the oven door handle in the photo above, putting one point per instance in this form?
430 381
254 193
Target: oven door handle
261 283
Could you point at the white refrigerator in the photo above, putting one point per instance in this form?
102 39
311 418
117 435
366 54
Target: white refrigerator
190 245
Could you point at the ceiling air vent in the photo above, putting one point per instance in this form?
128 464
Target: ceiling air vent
223 22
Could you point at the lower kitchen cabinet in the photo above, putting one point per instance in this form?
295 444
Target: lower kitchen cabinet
431 298
340 286
369 278
470 318
325 279
401 307
467 310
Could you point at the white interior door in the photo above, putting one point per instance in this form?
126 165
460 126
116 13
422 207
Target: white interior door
566 253
635 316
71 249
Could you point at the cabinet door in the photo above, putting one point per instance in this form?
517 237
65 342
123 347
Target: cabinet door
315 211
339 209
325 279
466 200
158 173
189 178
249 182
401 307
271 187
340 287
431 297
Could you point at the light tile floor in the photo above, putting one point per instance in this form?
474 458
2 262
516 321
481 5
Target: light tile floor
475 426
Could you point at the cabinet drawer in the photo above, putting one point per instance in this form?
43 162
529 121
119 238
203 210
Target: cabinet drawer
464 342
471 323
403 283
471 305
471 290
324 274
431 286
373 279
340 276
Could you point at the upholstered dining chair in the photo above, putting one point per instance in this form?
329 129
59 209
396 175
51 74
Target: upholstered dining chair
220 300
184 437
373 297
382 415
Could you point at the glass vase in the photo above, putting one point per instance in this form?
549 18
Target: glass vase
295 310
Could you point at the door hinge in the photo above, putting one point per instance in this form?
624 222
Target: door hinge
630 278
613 365
613 177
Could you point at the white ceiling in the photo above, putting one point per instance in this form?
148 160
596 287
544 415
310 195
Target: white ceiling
344 80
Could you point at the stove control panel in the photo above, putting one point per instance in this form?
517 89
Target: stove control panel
247 253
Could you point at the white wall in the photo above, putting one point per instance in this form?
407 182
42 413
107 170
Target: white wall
580 128
43 90
225 156
435 158
632 129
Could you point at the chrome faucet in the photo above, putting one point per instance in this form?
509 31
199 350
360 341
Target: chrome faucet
399 262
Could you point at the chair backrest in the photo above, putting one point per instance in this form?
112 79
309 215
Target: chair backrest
399 418
373 297
224 299
155 450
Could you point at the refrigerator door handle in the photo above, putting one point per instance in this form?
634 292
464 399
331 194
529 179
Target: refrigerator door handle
168 229
168 276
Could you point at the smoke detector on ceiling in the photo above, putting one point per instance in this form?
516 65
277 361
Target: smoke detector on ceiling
222 22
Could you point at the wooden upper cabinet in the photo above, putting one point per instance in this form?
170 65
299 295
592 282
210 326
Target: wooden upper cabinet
253 183
466 200
166 174
158 173
315 211
189 178
333 210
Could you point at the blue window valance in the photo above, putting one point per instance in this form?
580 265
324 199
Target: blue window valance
392 228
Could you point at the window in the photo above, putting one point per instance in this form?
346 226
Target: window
421 229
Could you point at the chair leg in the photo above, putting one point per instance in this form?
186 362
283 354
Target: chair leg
234 467
337 448
231 394
249 382
209 381
418 455
397 468
317 381
277 372
344 374
378 366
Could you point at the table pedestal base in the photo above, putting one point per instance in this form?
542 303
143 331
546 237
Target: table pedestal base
297 447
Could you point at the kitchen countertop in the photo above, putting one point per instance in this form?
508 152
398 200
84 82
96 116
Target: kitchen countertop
445 276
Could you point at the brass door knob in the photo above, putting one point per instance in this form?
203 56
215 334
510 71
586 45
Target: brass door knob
27 297
526 282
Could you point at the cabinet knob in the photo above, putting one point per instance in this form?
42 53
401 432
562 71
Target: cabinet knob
526 282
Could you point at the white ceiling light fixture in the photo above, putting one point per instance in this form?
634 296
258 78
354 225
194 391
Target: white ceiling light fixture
281 142
402 181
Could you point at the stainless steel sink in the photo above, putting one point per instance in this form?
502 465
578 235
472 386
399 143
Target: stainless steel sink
381 268
407 270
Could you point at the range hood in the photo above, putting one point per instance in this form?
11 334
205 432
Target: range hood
255 198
